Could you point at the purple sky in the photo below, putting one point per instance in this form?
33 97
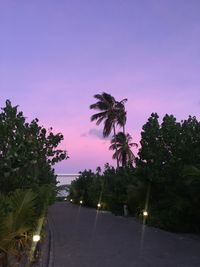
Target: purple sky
55 55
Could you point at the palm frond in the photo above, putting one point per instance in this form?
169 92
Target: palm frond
97 116
109 99
108 125
15 225
99 106
123 101
133 145
122 144
23 208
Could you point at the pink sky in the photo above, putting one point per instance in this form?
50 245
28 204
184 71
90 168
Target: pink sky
55 56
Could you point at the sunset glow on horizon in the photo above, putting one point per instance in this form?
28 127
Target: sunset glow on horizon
55 57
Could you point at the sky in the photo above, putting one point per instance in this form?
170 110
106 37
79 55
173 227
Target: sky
56 55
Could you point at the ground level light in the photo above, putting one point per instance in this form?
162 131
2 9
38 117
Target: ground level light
145 213
36 238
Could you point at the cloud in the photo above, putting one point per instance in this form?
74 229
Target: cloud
96 133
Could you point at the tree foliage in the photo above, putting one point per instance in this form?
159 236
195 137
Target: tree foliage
167 150
112 113
165 180
27 151
109 188
20 212
123 144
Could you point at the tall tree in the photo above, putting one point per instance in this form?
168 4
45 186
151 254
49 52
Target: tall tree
112 113
169 160
27 151
150 153
123 142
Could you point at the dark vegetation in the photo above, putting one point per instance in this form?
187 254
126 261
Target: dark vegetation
27 181
163 179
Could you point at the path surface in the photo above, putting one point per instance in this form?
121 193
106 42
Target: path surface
81 237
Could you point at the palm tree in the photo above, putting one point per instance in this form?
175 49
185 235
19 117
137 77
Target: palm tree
121 113
112 113
123 144
17 225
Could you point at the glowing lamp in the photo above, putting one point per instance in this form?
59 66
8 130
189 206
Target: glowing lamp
145 213
99 205
81 201
36 238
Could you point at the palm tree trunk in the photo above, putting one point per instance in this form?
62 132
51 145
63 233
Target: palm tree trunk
123 128
124 122
114 130
124 161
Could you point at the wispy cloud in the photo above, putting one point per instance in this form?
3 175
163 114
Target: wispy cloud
96 133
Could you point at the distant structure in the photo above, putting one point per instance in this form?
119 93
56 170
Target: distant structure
66 178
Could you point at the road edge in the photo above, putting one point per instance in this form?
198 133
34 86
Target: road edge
50 262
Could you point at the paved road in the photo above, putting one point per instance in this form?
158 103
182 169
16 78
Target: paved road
84 238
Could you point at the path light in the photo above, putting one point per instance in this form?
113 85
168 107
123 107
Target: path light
71 200
99 205
81 201
65 198
36 238
145 213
